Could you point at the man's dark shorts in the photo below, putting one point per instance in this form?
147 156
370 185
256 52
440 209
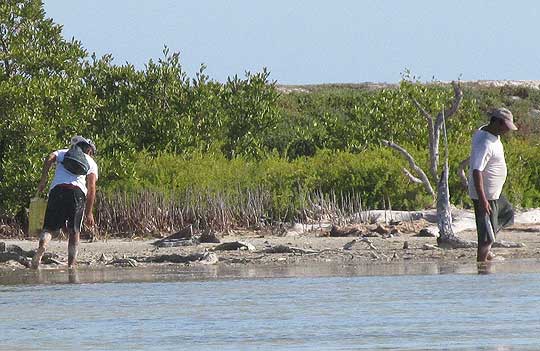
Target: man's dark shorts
65 204
502 215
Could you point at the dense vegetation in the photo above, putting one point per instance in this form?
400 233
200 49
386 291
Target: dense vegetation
206 146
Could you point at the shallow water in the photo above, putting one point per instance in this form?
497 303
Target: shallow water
324 307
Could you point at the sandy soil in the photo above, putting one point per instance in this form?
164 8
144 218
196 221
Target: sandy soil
300 246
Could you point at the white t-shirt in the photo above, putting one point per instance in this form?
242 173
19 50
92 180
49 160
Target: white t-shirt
487 156
63 176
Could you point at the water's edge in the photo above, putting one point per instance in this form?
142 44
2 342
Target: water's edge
173 273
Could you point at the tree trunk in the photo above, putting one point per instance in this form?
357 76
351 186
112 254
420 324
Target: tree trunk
444 213
447 238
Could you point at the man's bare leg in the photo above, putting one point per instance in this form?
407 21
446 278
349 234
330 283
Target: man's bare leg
483 252
44 239
73 248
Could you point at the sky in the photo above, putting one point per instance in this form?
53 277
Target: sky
315 41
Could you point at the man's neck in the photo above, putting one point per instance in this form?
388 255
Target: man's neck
492 129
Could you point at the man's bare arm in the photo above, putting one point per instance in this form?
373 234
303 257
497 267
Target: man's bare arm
90 198
47 163
478 179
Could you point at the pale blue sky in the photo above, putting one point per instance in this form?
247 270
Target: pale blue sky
305 42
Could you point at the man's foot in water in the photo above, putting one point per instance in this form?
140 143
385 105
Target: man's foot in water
36 260
492 257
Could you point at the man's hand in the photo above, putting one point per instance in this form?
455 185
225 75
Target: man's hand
89 220
41 186
478 179
484 205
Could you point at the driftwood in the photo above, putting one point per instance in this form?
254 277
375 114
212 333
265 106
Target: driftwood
209 236
379 256
12 256
350 244
455 243
51 258
203 258
358 230
124 262
345 231
426 233
507 244
175 242
288 249
184 233
381 230
184 237
525 230
234 245
15 253
370 244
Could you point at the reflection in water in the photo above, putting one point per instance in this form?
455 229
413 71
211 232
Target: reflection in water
485 267
73 276
109 274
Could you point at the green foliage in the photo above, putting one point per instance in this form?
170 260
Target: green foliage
250 114
523 182
32 45
157 129
43 99
355 120
374 175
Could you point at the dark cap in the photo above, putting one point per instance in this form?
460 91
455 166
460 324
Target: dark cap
505 115
78 139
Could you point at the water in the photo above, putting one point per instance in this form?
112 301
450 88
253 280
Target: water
393 307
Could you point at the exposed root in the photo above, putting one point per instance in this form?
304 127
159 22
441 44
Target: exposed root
454 242
508 244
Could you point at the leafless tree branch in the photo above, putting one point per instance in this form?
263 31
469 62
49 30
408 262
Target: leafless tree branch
411 177
422 110
421 174
461 173
442 116
458 97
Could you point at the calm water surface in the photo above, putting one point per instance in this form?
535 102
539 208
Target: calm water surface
393 307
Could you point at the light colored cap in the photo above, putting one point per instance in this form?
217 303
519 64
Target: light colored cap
505 115
77 139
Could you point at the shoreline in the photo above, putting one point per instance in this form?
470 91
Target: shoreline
263 248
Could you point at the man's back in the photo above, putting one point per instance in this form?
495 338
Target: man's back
63 176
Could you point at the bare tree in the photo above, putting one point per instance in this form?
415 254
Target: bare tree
446 238
436 126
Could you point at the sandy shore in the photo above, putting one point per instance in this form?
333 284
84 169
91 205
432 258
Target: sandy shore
301 246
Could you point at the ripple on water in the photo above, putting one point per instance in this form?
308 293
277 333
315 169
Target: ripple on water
280 308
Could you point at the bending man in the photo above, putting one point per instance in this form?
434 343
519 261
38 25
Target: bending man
71 197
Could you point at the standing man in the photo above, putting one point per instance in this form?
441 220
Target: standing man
486 179
71 196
